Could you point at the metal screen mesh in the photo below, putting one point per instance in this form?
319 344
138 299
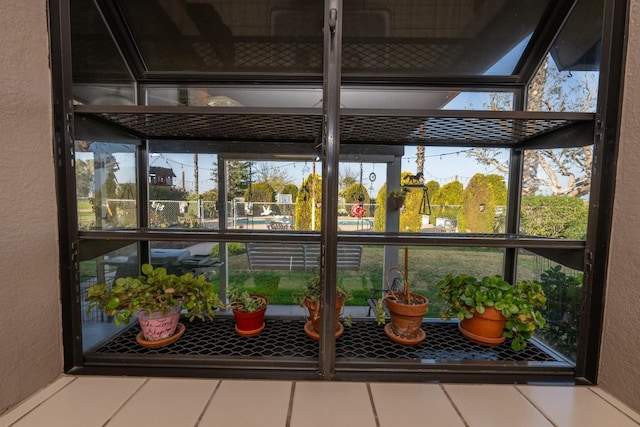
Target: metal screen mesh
286 338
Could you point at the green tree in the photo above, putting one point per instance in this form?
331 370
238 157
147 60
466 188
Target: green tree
260 192
237 179
346 178
84 178
562 171
446 201
477 214
293 190
159 192
410 216
432 187
309 197
380 214
209 208
276 177
290 189
356 193
126 190
499 189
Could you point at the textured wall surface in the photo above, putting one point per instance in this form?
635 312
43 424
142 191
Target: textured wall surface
30 325
620 356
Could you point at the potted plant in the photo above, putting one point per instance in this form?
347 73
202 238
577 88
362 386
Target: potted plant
248 310
310 299
491 309
396 198
156 299
406 309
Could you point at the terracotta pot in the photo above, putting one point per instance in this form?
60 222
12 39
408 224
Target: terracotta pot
396 202
406 320
250 324
312 328
158 326
485 328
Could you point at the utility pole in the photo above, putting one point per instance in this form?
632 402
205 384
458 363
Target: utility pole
313 197
196 189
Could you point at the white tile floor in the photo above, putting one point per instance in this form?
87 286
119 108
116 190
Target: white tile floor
131 401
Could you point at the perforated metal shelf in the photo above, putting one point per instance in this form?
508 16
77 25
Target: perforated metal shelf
285 338
357 126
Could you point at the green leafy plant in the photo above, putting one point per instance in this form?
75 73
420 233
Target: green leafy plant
313 293
398 193
464 295
245 302
564 293
313 290
155 291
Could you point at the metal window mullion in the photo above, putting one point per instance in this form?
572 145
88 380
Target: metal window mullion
330 156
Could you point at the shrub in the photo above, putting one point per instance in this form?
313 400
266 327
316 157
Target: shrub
554 216
232 249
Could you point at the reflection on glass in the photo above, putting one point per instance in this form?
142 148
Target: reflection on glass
553 89
106 185
122 262
563 288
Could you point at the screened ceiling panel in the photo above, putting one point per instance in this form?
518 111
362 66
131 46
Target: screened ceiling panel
391 38
398 127
96 57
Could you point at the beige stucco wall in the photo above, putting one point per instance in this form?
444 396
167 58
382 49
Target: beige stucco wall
30 325
620 356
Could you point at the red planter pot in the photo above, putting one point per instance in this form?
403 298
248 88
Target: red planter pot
250 324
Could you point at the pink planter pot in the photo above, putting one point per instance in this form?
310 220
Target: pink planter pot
158 326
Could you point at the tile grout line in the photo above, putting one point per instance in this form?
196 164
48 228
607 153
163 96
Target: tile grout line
206 406
373 404
614 405
39 404
455 407
125 402
546 417
290 407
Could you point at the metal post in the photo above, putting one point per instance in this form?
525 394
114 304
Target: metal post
331 154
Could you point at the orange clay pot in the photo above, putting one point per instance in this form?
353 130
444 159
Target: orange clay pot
485 328
406 320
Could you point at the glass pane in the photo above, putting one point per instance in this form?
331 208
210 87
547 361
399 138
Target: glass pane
555 192
310 97
435 38
567 80
563 288
99 71
235 96
220 36
577 47
460 189
553 89
96 325
106 185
